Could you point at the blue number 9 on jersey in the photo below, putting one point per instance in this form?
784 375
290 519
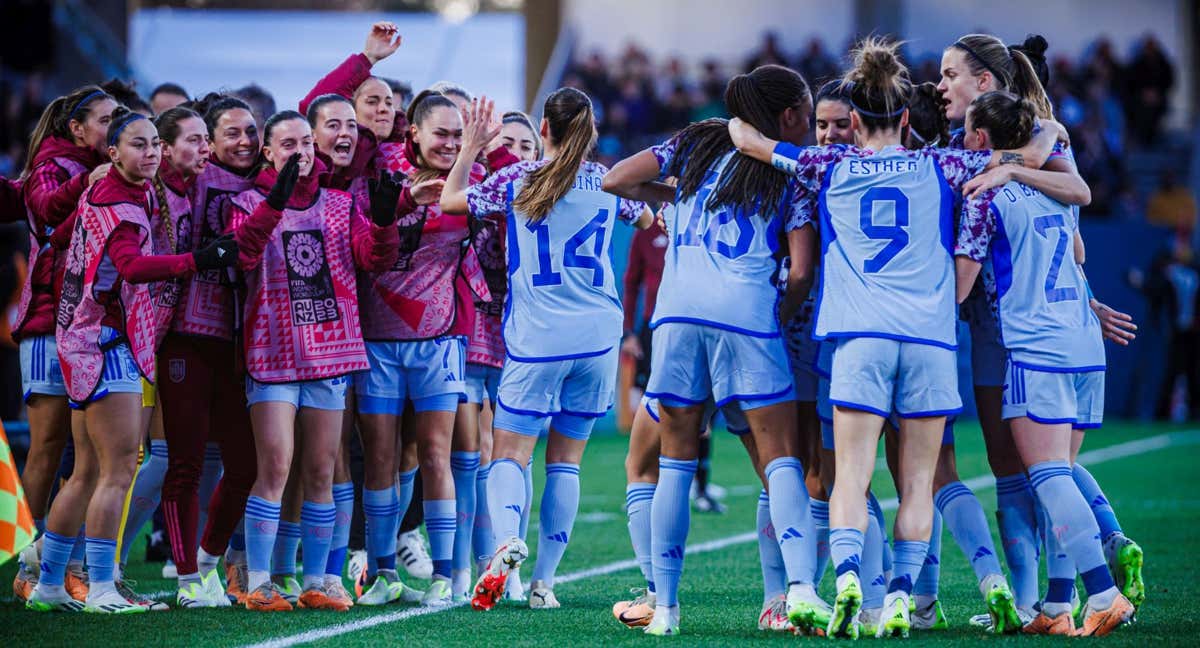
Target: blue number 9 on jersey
895 235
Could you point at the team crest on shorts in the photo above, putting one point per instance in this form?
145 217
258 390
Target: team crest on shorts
177 369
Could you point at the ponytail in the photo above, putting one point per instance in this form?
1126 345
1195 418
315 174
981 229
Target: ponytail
880 90
746 184
164 224
569 116
1009 66
56 118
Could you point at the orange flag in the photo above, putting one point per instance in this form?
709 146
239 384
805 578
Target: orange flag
16 522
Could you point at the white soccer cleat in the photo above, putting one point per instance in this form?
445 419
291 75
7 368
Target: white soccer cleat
665 622
774 616
541 597
214 590
111 602
44 598
492 581
896 620
438 594
413 553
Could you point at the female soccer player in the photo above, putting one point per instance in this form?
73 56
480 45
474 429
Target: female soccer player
974 64
716 331
110 320
201 400
300 247
886 358
562 325
1056 379
67 153
485 357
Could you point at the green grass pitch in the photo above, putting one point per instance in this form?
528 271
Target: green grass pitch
1155 492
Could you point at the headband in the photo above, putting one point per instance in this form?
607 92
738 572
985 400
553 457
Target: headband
125 121
975 55
81 102
867 113
924 142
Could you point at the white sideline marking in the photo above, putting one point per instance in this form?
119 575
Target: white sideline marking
1100 455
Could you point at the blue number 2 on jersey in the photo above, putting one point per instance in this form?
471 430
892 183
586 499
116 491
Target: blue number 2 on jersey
895 235
1041 224
572 256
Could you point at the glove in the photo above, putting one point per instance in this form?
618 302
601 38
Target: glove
385 193
285 184
221 253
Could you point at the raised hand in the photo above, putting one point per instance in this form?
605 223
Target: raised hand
382 42
479 127
427 192
385 193
285 184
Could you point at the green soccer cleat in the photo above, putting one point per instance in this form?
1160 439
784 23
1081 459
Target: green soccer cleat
665 622
289 588
1002 610
896 620
843 623
1125 560
930 617
386 589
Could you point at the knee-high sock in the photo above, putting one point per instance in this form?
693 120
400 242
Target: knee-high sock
283 554
235 554
877 510
463 467
316 524
262 526
874 583
210 476
506 498
931 572
483 540
560 504
101 559
56 552
820 516
1016 515
439 524
405 483
908 557
669 519
528 509
964 516
79 549
639 497
147 491
1060 572
845 550
1106 518
343 503
770 559
381 509
1072 522
790 515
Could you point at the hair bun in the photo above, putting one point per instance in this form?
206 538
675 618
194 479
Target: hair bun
1035 47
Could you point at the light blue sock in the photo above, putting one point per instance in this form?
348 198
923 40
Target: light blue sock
528 510
209 478
908 556
1106 518
343 502
556 518
874 583
877 511
56 552
101 560
769 557
789 514
1072 522
670 516
483 541
1016 515
404 491
639 497
964 516
845 550
262 528
316 525
820 515
506 499
463 467
931 572
147 491
1060 569
439 524
381 508
79 550
283 554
